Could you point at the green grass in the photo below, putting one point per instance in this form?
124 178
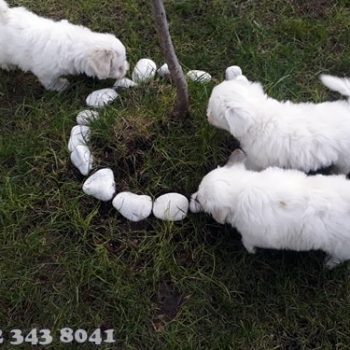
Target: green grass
68 260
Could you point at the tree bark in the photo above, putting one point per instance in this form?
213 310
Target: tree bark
177 75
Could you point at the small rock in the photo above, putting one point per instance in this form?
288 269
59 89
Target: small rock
124 83
100 185
82 159
232 72
132 206
164 71
170 207
86 117
144 70
195 206
101 98
79 135
199 76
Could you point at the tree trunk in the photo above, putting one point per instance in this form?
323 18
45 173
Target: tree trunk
177 75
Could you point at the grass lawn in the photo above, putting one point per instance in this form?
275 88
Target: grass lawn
68 260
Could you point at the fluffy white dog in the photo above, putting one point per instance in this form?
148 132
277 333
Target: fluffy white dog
52 49
280 209
303 136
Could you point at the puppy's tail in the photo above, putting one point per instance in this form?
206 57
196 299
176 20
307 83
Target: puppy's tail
4 7
341 85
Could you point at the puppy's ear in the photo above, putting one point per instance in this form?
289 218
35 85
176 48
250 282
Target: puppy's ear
238 118
237 156
100 63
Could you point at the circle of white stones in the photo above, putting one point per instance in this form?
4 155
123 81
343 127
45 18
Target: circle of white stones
101 184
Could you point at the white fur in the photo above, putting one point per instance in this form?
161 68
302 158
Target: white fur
341 85
52 49
304 136
281 209
232 72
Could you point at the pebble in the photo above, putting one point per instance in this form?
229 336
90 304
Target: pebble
124 83
82 159
164 71
101 98
132 206
195 207
100 185
144 70
199 76
171 207
79 135
86 117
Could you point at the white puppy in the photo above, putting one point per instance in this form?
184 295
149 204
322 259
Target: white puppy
280 209
52 49
304 136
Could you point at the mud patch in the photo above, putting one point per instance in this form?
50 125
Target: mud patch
312 8
168 301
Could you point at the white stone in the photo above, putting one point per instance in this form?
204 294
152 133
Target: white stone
144 70
232 72
164 71
124 83
171 207
101 98
86 117
199 76
195 207
132 206
79 135
100 185
82 159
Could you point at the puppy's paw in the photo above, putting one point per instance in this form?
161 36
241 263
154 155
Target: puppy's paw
249 247
7 67
331 262
60 84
